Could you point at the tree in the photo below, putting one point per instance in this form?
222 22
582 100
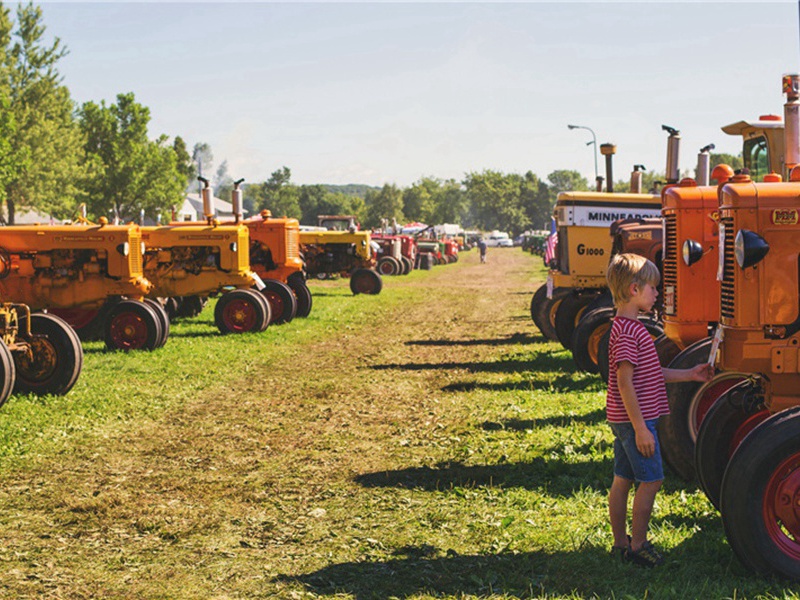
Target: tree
45 151
223 182
203 159
418 200
277 194
185 164
536 201
130 173
449 203
734 162
387 203
316 200
494 200
563 180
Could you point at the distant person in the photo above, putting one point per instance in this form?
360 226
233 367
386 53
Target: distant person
482 248
636 398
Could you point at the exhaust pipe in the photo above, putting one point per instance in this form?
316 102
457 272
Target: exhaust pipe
236 201
598 183
673 153
702 174
636 179
609 150
208 203
791 121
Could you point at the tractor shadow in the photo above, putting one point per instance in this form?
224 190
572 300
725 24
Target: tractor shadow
593 418
517 338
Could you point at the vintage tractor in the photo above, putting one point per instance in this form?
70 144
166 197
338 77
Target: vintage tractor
89 275
748 447
389 255
339 222
349 254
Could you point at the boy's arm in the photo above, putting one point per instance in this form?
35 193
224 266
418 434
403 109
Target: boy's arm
702 372
645 441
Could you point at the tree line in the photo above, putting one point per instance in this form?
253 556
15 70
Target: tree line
56 155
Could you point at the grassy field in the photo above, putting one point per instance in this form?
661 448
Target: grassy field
427 442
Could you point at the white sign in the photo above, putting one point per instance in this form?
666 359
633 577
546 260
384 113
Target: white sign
603 216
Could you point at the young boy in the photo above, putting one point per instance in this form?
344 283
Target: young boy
636 398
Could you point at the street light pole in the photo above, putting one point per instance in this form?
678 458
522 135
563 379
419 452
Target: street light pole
593 142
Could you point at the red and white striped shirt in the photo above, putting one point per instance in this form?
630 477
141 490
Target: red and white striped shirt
631 341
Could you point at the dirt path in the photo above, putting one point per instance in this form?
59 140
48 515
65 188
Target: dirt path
233 491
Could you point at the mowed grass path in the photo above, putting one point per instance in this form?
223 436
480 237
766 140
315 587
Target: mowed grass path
426 442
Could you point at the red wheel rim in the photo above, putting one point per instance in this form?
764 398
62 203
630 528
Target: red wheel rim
128 331
781 508
385 268
239 315
275 304
706 400
746 427
364 285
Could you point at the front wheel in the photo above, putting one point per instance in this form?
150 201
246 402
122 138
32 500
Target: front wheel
365 281
132 325
282 301
303 296
163 318
388 265
759 496
241 311
568 315
543 310
55 359
586 338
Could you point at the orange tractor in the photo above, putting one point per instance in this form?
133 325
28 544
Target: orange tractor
748 447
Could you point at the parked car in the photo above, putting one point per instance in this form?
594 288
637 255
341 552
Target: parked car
499 240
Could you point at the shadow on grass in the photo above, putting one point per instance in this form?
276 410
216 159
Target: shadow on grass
539 362
592 418
557 477
560 383
517 338
700 566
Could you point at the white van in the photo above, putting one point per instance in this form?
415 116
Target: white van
499 239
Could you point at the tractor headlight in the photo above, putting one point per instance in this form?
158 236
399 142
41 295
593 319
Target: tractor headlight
124 249
692 251
749 248
234 246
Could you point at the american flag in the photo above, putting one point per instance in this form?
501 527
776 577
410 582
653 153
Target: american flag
550 246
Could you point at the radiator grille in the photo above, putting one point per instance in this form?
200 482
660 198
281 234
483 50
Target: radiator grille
670 259
292 243
727 300
135 254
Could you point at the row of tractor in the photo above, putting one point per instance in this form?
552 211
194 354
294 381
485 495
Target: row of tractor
729 255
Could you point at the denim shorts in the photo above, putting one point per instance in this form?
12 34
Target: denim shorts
628 461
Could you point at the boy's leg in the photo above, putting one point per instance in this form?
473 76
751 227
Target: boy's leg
618 510
643 502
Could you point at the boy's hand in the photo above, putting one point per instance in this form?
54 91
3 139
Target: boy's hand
645 442
702 372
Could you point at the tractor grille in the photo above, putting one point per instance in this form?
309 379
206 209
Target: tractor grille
727 300
292 243
135 254
243 249
562 251
670 260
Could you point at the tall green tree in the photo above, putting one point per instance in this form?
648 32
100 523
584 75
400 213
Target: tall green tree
449 203
129 172
495 201
536 201
277 194
419 199
386 203
46 149
316 200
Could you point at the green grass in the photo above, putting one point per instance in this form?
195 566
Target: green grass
423 443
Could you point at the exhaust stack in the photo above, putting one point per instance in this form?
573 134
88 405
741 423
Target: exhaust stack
609 150
791 121
702 174
208 203
673 153
636 179
236 201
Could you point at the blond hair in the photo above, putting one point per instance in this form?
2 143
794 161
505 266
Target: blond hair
625 269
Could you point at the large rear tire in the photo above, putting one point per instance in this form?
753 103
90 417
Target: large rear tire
759 497
56 358
132 325
7 373
735 414
241 311
163 318
282 301
365 281
568 314
303 296
388 265
587 336
653 328
543 310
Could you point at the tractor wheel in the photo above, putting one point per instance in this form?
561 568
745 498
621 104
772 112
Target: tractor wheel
55 360
653 328
191 306
365 281
586 338
241 311
689 402
602 300
727 422
408 266
568 314
388 265
282 302
7 373
759 496
667 350
86 322
296 278
171 306
543 310
132 325
163 318
303 296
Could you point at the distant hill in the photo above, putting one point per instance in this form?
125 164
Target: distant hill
351 189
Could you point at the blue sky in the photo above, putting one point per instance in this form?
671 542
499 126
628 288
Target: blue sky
389 92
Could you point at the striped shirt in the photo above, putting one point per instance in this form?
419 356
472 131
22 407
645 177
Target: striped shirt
631 341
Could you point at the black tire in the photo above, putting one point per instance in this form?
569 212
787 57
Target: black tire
727 422
586 338
408 266
7 373
191 306
303 296
241 311
282 301
759 497
543 310
602 300
56 361
365 281
388 266
163 318
568 314
172 305
653 328
296 278
667 349
132 325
